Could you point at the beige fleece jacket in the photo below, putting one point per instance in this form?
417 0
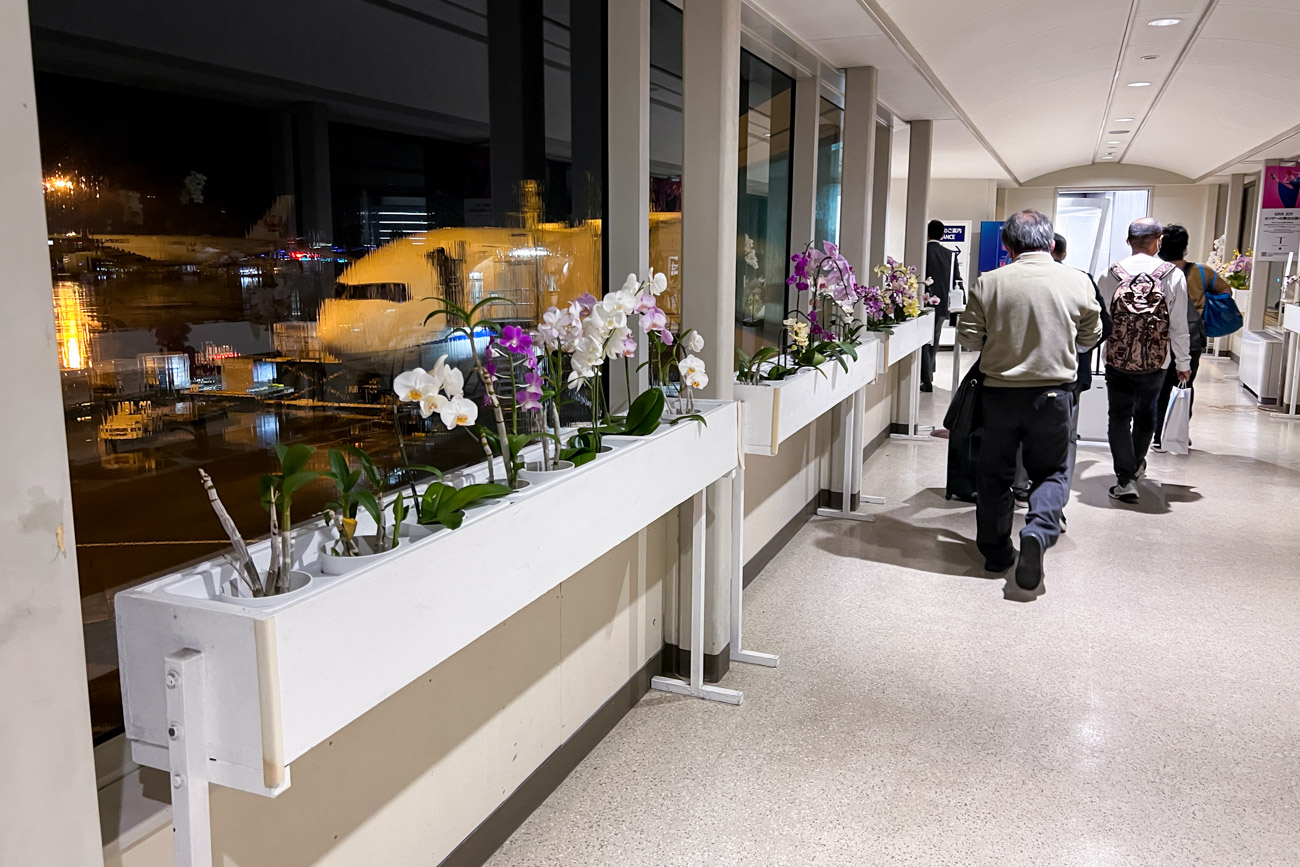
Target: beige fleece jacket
1029 319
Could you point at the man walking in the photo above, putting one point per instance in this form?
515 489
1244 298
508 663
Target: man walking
944 272
1173 248
1029 319
1147 300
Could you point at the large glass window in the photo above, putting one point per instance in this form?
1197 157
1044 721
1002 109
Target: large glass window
763 202
666 131
830 170
251 211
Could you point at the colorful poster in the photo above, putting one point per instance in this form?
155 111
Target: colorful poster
1278 234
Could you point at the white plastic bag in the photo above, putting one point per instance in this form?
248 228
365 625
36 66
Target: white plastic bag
1176 438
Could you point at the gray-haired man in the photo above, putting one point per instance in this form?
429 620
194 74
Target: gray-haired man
1028 320
1147 300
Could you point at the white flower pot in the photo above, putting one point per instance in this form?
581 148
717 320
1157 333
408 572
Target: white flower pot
536 471
298 582
336 564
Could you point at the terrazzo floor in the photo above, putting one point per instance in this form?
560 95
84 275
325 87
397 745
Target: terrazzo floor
1144 711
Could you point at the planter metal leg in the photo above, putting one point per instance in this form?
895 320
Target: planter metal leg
696 687
191 822
852 452
738 653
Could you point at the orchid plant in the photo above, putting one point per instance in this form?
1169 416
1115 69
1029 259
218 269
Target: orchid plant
1237 271
898 298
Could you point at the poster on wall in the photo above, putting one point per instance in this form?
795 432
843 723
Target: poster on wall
957 236
992 253
1278 234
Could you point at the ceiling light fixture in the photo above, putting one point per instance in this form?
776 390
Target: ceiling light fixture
1117 132
1151 57
1108 157
1164 22
1114 142
1123 120
1139 84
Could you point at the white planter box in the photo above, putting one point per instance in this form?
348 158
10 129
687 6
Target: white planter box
775 411
281 679
908 337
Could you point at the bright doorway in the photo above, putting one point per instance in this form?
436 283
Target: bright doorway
1095 225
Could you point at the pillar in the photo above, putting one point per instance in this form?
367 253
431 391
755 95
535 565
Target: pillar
516 102
315 205
857 209
1258 297
903 415
803 180
711 117
48 800
627 226
880 191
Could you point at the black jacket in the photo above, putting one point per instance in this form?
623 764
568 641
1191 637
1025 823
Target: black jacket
942 268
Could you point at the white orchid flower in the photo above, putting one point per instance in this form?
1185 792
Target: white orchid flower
693 342
696 380
631 284
690 365
453 382
616 344
658 282
431 403
413 385
459 412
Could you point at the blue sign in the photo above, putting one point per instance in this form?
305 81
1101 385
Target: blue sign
992 253
954 234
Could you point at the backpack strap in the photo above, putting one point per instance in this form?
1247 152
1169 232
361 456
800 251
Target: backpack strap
1163 271
1207 286
1120 274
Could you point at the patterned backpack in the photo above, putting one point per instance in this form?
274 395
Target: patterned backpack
1139 342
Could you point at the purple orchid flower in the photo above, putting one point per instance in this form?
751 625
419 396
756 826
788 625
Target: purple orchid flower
516 340
527 401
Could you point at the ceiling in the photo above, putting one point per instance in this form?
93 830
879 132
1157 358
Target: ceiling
1021 88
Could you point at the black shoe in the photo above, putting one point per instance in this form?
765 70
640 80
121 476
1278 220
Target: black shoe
1029 568
1001 564
1062 524
927 388
1021 495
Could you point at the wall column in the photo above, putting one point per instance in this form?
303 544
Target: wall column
711 117
627 224
1258 304
903 418
1232 213
880 191
856 210
803 193
49 813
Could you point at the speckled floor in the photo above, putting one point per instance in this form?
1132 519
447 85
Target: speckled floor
1144 711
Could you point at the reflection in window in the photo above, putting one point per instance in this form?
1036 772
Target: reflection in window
830 168
763 200
247 232
666 130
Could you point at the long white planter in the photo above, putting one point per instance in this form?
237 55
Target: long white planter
281 679
908 337
775 411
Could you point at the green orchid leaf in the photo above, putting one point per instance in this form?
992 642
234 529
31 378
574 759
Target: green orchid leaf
425 468
432 500
692 417
373 474
294 458
644 414
367 501
450 520
339 470
265 485
471 494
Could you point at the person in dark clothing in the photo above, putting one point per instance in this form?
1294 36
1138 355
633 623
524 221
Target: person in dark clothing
1028 320
1173 248
944 272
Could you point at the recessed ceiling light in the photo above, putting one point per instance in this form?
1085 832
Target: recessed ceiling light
1117 132
1164 22
1108 157
1139 84
1123 120
1114 142
1151 57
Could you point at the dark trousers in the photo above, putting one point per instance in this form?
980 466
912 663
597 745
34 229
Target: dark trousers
1132 423
1167 388
1035 422
927 352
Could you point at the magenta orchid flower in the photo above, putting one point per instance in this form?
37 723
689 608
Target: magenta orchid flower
516 340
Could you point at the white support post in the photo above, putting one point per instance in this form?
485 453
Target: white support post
191 821
852 411
738 653
696 687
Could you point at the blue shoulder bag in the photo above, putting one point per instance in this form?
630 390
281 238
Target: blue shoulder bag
1221 314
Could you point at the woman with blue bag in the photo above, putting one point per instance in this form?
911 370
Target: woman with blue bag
1211 313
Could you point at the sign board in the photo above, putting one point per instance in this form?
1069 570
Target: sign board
992 253
1278 235
957 236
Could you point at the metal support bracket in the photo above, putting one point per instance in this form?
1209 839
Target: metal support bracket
191 820
738 653
852 456
695 686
